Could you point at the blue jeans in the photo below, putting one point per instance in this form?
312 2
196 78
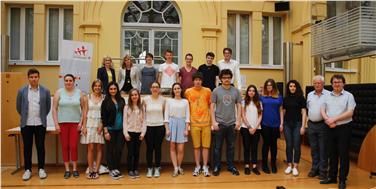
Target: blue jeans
292 138
225 132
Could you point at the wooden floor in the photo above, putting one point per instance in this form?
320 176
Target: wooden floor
358 178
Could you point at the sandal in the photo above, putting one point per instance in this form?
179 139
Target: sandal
95 175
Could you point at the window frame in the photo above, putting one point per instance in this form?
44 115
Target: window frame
271 42
22 36
152 28
61 30
236 54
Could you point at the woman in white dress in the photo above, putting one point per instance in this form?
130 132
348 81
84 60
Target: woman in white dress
92 134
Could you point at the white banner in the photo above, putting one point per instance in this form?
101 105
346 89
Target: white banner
76 59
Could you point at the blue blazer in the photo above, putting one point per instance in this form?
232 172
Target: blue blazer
22 104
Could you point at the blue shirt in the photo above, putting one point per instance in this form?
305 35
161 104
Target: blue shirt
118 120
270 113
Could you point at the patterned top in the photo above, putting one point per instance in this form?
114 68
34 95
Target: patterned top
94 113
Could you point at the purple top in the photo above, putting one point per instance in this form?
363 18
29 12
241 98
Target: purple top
186 77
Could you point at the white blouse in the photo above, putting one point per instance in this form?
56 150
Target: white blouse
177 108
154 110
251 115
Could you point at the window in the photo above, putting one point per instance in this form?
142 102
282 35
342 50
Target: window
271 40
59 27
238 36
151 26
335 65
21 26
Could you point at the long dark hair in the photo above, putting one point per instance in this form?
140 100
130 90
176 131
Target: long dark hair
255 99
130 102
108 101
298 92
172 90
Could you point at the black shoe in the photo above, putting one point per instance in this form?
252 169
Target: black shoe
234 171
216 171
312 173
67 175
342 185
266 169
247 171
274 169
76 174
322 177
256 171
328 181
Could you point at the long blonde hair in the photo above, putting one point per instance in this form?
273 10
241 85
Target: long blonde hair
126 57
107 58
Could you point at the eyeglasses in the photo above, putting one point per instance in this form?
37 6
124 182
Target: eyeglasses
226 77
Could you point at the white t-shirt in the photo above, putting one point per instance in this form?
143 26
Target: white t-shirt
232 65
169 72
154 111
251 115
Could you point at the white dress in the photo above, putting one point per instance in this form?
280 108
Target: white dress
93 122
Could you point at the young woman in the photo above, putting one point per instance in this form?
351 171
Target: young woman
149 74
91 133
177 125
251 128
69 113
129 76
112 120
106 73
294 108
271 124
155 132
134 129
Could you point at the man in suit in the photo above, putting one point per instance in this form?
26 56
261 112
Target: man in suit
33 105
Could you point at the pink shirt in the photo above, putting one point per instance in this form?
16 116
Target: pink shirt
186 77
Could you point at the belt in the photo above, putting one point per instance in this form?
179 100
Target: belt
316 122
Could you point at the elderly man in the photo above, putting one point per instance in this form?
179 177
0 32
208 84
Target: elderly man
337 111
317 129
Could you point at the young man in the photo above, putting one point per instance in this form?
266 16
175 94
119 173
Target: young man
168 73
186 72
233 65
210 71
337 111
199 103
33 105
317 129
225 113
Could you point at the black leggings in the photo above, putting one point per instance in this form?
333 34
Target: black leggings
133 151
114 149
250 144
269 136
154 138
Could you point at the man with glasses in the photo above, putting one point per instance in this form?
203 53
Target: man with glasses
337 111
225 113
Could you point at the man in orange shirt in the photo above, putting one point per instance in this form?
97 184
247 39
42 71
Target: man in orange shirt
199 104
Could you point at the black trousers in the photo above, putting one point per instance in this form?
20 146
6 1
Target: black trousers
269 136
339 144
27 133
318 141
250 144
114 148
133 151
154 139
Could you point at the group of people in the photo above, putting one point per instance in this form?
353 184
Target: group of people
205 107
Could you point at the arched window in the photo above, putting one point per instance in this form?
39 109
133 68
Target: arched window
151 26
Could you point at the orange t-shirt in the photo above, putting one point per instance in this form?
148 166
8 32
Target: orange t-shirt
199 104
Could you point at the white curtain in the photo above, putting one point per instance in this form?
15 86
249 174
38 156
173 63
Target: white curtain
231 32
68 24
53 34
244 39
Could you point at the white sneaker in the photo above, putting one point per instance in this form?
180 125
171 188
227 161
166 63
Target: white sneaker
157 172
26 176
288 170
42 174
113 175
295 171
197 171
149 174
206 171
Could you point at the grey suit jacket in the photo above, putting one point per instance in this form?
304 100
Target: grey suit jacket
22 104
